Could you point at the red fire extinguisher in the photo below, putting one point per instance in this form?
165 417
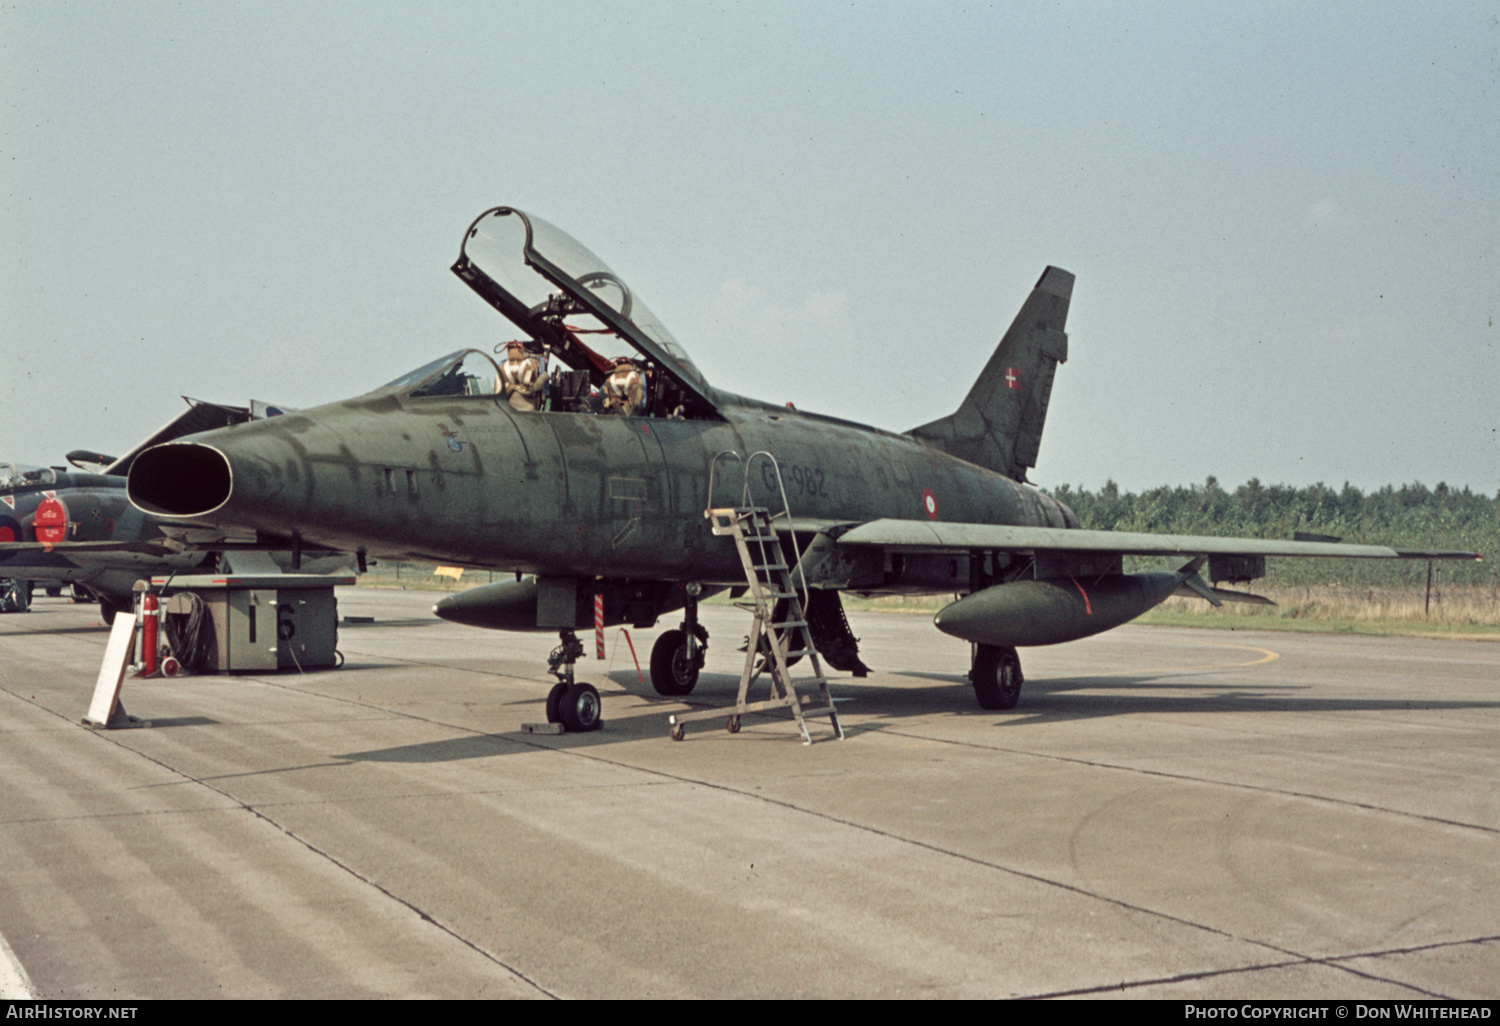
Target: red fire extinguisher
150 633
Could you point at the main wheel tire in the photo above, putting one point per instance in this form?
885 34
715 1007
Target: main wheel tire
997 677
554 702
581 709
673 671
109 609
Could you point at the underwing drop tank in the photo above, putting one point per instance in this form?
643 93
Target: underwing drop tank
1054 609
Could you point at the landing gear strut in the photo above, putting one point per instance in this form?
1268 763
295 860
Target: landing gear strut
678 654
576 706
996 675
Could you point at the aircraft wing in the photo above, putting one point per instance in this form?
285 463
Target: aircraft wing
165 546
933 536
63 548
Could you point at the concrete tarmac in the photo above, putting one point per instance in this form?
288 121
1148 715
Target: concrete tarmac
1168 813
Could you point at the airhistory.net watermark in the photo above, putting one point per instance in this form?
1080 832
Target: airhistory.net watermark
40 1010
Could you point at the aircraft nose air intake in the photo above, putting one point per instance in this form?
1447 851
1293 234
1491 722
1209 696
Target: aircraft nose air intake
180 480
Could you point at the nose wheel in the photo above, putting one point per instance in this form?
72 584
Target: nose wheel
575 705
579 709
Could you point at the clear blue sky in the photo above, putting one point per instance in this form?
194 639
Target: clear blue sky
1283 217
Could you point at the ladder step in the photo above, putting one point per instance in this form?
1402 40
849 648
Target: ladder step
769 579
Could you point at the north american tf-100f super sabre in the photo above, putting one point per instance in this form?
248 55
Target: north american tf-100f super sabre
593 475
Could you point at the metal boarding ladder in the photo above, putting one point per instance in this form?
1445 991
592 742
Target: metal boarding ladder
753 529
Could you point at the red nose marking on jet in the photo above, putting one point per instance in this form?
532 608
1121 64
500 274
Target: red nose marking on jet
50 522
929 503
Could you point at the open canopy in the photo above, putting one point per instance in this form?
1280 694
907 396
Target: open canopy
567 299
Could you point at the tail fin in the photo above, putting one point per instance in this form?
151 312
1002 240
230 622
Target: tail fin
999 425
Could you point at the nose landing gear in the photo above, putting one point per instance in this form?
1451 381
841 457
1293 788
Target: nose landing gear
575 705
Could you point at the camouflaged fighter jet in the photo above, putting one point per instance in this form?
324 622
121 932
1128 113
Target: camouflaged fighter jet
593 475
60 526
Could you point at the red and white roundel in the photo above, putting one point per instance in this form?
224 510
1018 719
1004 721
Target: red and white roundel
51 521
929 504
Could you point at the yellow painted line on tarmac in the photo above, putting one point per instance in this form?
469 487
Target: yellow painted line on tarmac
1266 656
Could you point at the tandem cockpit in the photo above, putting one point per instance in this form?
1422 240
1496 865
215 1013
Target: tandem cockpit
588 344
16 477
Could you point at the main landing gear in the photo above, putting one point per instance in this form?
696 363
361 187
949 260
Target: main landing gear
576 706
996 675
678 655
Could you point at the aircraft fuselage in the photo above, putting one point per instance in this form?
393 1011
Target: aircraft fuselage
467 480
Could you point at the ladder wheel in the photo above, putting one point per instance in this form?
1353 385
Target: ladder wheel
678 733
733 725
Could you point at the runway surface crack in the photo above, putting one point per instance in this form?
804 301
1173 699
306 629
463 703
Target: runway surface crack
1210 781
1331 962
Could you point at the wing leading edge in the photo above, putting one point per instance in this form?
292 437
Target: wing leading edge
917 536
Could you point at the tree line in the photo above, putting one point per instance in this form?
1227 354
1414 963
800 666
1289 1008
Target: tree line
1409 516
